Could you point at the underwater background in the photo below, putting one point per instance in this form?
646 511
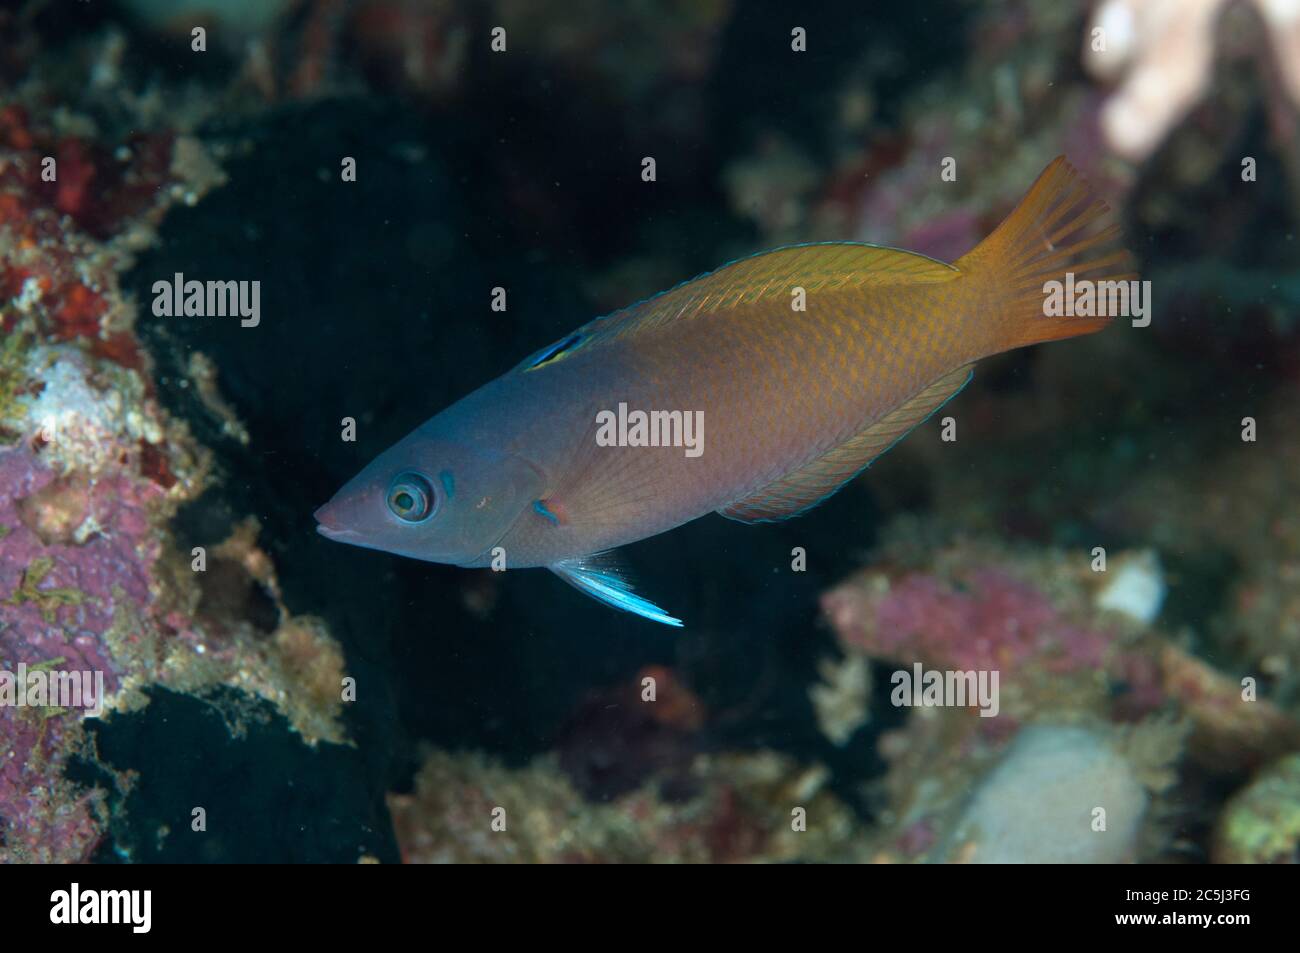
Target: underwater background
297 700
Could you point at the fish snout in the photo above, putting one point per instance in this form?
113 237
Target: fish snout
327 520
338 519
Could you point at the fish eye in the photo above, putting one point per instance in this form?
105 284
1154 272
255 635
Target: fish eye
411 497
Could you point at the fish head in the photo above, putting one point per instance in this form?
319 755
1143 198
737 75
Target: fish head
436 500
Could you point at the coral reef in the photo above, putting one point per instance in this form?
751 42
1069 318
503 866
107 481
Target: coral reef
728 808
977 606
1059 795
961 145
617 739
1261 824
1162 54
1163 689
92 470
842 696
1242 504
1103 677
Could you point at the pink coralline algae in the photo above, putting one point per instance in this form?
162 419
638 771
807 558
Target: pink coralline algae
88 462
45 819
89 583
108 571
996 622
56 602
92 469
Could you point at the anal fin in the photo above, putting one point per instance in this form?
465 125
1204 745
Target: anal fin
802 489
601 577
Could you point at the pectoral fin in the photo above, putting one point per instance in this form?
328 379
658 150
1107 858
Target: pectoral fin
601 577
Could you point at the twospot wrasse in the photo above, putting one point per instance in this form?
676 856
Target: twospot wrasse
599 439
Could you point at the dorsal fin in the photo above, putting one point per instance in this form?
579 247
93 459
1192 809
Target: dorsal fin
802 489
817 266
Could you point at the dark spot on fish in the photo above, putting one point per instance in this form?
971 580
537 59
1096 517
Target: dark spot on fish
540 507
555 351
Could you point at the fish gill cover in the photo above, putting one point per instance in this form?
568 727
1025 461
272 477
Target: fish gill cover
489 287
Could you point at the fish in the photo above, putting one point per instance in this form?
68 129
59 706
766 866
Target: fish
722 395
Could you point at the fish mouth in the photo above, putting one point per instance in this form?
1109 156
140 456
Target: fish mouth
328 526
338 535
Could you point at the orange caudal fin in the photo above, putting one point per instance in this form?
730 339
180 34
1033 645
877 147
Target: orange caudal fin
1057 237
